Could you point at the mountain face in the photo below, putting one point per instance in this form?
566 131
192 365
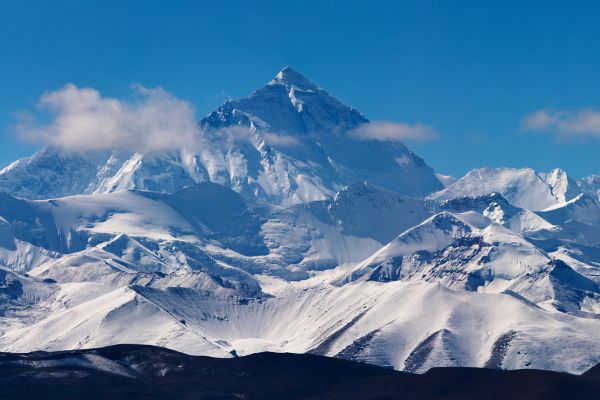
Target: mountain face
389 212
286 143
522 187
285 233
202 272
590 185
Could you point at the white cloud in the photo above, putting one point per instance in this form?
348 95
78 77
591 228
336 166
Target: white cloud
393 131
582 123
81 119
276 140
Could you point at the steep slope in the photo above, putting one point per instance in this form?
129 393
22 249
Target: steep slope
456 289
567 231
206 227
120 314
311 126
388 324
288 142
493 206
468 252
575 222
563 187
364 210
283 231
583 208
521 187
101 237
590 185
51 173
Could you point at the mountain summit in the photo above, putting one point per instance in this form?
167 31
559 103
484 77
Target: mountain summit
290 104
290 77
285 143
282 231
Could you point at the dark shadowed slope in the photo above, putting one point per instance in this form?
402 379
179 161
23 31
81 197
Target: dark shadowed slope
145 372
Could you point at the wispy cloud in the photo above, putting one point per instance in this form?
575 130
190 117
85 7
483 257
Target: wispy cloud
581 123
81 119
276 140
393 131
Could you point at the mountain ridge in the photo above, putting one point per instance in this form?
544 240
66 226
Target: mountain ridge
136 371
283 144
286 233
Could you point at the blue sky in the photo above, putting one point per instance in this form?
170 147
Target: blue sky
471 70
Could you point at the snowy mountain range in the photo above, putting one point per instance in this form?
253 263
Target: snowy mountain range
284 233
285 143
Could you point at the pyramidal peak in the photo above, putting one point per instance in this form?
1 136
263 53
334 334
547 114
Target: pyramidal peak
307 155
291 78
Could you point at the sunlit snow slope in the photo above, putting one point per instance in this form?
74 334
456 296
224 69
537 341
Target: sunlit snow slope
286 233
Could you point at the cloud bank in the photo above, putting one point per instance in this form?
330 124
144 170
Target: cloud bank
581 123
81 119
393 131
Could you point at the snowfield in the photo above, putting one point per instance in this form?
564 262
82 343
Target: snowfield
285 234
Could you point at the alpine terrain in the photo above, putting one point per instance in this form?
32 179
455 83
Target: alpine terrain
286 232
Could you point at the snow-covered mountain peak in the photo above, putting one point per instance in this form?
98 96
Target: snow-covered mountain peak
291 78
563 187
285 143
283 232
290 104
583 208
590 185
523 187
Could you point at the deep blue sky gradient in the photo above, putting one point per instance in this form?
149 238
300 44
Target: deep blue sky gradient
471 69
